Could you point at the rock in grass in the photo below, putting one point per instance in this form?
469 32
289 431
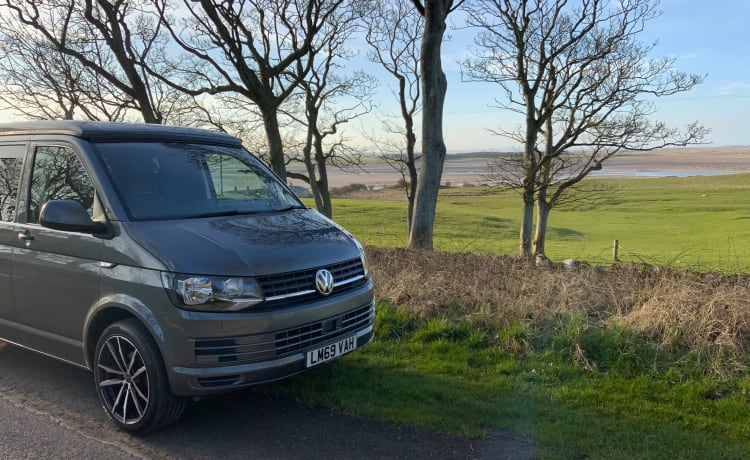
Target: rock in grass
542 261
569 264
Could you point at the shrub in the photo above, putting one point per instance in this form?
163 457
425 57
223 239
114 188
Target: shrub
705 317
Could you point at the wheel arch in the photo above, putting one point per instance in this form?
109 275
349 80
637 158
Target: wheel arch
111 310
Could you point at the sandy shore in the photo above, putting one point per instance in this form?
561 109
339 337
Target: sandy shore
680 162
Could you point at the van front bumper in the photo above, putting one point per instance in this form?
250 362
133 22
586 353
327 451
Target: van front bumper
265 357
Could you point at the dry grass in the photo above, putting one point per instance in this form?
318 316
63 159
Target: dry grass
706 315
700 313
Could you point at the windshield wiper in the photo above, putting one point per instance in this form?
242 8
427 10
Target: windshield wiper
228 212
291 207
237 212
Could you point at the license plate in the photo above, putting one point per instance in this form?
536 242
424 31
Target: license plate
329 352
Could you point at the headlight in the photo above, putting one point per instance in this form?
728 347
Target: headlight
213 293
363 256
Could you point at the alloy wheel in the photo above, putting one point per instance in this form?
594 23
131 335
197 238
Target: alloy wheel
123 380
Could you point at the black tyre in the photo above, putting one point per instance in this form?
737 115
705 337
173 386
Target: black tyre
131 381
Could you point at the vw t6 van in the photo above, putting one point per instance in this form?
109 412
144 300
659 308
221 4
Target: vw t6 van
170 262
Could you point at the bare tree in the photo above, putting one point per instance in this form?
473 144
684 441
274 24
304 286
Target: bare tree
434 88
39 82
394 31
330 99
583 82
115 41
257 49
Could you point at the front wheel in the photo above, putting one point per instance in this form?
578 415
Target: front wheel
131 380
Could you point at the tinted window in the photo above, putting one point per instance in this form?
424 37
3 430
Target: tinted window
175 181
58 175
11 160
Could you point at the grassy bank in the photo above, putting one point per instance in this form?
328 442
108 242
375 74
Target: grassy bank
617 363
693 222
452 378
628 361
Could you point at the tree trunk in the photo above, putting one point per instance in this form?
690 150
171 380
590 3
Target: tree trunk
411 142
275 144
530 167
526 225
543 208
311 175
434 87
319 187
323 200
410 204
412 169
315 162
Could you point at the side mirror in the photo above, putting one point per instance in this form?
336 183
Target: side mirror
68 216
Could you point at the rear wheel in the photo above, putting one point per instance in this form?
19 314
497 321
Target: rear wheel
131 380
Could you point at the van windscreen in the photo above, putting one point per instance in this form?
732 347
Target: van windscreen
167 180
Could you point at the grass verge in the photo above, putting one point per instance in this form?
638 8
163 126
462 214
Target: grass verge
625 362
454 377
631 361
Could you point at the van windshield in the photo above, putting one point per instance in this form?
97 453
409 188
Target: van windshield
166 180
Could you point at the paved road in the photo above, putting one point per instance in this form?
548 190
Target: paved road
49 410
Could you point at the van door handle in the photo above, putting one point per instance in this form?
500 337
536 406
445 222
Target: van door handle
26 237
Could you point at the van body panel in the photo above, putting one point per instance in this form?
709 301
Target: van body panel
7 307
123 249
59 288
248 245
56 279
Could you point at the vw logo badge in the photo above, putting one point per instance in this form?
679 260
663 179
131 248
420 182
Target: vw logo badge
324 281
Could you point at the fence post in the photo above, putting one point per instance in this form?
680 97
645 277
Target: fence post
615 250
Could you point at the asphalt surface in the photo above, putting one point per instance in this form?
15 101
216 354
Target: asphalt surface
49 409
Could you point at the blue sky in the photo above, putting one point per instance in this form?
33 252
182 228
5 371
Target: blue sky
707 38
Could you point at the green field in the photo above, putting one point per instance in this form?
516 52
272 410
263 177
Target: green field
694 222
576 380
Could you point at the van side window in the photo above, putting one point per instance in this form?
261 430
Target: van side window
11 160
58 175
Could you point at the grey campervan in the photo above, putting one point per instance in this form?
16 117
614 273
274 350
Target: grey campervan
170 262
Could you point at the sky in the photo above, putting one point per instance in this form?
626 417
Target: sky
710 39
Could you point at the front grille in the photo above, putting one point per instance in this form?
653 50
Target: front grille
300 338
293 288
263 347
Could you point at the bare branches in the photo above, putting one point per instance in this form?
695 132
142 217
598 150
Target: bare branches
394 33
419 6
586 85
330 98
259 49
41 82
111 46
